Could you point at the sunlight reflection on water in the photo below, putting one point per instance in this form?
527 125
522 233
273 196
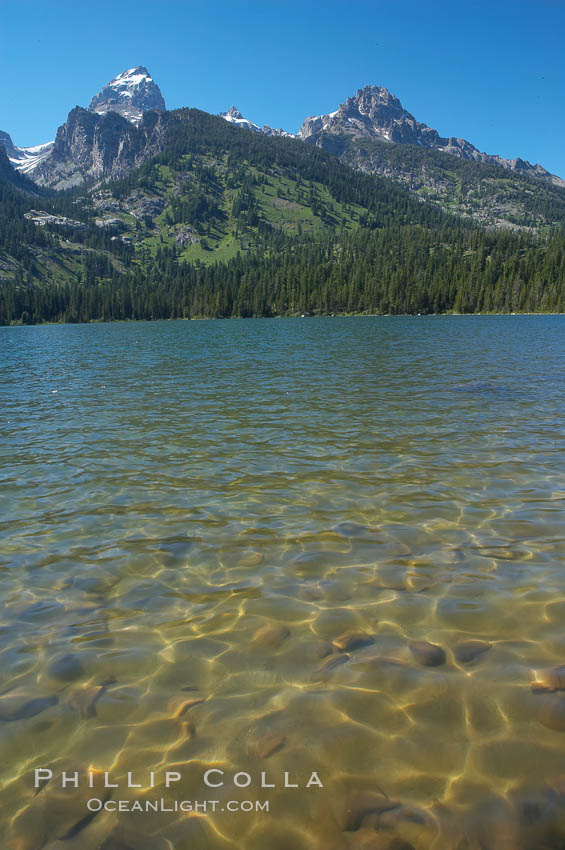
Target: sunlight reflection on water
328 545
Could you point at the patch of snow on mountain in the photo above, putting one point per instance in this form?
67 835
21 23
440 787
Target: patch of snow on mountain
132 77
27 159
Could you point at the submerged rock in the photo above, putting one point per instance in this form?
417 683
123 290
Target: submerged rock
18 708
427 654
359 804
180 707
329 665
351 640
267 744
311 564
66 668
552 713
84 698
57 814
352 529
404 814
552 680
271 635
125 839
368 839
318 649
466 651
95 586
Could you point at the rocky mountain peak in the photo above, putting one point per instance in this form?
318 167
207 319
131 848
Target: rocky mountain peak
370 97
131 93
375 113
234 116
233 112
372 112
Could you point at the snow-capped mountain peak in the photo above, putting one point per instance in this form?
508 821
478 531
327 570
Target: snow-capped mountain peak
234 116
131 93
132 77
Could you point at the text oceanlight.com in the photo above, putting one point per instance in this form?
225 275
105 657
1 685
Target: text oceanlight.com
96 805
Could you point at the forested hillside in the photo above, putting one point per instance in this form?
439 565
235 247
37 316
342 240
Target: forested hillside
486 193
226 222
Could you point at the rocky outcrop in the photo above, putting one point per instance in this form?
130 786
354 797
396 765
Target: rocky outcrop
276 131
90 146
375 113
41 218
186 236
140 204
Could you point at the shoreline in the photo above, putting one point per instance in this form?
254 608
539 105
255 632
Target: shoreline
282 316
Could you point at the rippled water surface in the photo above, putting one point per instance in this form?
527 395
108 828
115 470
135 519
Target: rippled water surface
329 545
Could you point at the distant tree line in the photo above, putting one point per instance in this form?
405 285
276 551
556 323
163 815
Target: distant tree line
398 269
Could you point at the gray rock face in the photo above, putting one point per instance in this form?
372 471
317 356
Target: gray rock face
276 131
6 140
41 218
130 94
91 146
186 236
140 204
110 223
376 113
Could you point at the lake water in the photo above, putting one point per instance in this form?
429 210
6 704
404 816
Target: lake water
229 545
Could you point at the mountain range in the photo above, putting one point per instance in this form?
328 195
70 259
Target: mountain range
214 215
372 114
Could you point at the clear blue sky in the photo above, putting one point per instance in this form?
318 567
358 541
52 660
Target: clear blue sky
492 72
